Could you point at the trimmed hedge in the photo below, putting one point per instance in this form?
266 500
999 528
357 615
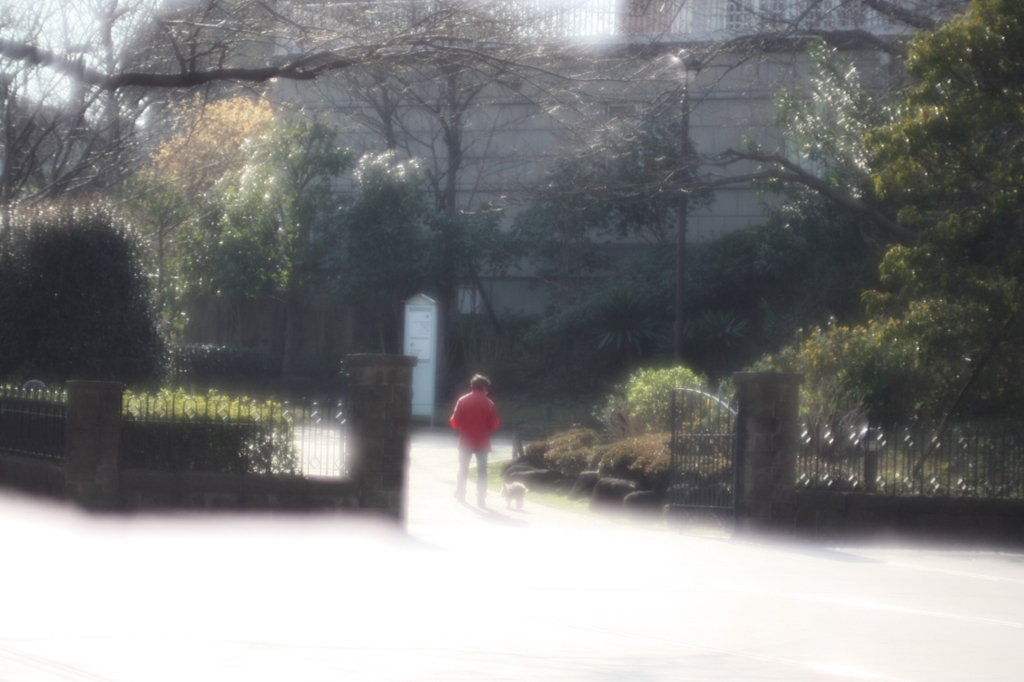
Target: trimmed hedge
74 301
175 431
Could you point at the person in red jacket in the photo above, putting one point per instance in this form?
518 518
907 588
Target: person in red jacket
476 418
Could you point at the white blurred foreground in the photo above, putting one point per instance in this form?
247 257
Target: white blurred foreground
532 595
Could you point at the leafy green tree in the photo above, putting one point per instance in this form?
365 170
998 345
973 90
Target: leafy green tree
627 190
826 124
945 332
623 191
395 243
276 228
174 188
953 159
385 243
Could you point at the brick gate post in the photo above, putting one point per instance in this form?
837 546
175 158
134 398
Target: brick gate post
380 412
767 438
92 439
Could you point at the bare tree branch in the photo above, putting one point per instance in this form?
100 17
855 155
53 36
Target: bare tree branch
901 14
307 67
788 171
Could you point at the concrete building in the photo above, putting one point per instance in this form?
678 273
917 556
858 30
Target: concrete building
533 82
488 133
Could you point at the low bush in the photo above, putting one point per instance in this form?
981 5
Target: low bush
645 460
641 459
176 431
567 453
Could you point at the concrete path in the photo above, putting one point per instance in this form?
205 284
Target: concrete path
467 595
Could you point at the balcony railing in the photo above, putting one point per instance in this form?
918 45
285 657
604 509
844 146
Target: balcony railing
590 19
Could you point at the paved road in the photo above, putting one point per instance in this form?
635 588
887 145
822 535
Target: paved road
469 595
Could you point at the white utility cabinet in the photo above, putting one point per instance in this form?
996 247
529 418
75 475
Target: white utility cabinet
421 342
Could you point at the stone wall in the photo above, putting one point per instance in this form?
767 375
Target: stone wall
767 437
30 475
141 490
825 515
380 412
92 438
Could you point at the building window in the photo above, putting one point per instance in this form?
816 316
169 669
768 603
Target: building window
737 15
469 301
773 13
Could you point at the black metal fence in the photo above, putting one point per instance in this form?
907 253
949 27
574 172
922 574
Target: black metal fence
701 473
320 435
32 422
173 431
968 460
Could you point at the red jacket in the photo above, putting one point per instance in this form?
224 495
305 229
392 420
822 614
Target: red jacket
476 419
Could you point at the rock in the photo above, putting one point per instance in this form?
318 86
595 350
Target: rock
642 501
516 467
609 493
533 478
584 485
700 493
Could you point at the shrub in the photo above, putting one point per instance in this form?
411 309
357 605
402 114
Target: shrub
645 460
641 406
567 453
642 459
176 431
849 369
74 300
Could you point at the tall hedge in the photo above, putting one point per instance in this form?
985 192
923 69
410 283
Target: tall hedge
74 300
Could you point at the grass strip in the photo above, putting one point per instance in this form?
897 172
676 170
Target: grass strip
551 499
548 499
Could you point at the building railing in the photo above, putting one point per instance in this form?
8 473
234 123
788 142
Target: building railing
32 422
969 460
583 19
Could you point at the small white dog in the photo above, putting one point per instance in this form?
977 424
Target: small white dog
514 492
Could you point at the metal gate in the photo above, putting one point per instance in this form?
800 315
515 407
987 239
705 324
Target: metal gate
702 474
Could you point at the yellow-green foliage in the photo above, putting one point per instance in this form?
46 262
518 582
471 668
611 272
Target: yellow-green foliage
171 430
876 364
177 404
642 459
642 405
567 453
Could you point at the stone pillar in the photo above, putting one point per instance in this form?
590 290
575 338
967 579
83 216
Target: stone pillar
91 447
379 415
767 438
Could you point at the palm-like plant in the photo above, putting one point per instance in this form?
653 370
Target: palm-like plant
626 321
